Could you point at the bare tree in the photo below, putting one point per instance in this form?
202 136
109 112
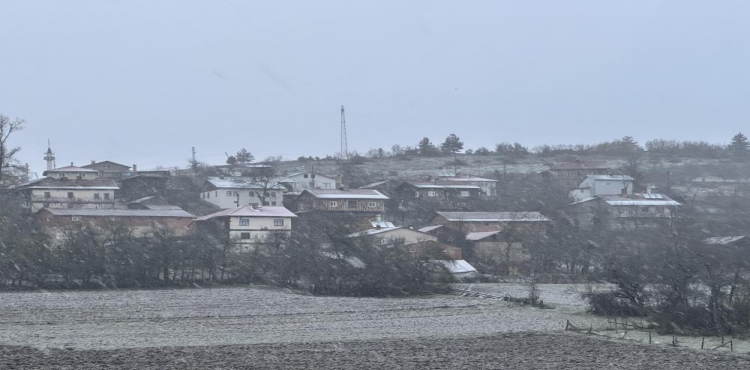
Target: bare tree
7 153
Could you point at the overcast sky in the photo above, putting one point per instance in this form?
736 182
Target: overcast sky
144 81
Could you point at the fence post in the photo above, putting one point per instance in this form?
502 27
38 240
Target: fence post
567 323
649 337
703 340
591 327
731 345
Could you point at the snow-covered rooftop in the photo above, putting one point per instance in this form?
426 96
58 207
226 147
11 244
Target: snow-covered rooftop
72 184
118 212
444 186
70 169
373 231
458 266
249 211
480 235
493 216
430 228
465 179
346 194
610 177
638 200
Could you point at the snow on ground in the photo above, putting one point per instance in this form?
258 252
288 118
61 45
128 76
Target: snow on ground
242 315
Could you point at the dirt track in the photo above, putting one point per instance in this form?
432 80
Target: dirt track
502 351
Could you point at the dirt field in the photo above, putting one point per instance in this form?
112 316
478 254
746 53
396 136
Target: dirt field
255 327
503 351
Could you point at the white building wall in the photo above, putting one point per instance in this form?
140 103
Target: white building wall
606 187
300 182
58 197
227 198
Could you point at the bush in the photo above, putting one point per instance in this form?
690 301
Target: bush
611 304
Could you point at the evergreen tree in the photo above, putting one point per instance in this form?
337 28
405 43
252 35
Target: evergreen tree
739 145
452 144
426 147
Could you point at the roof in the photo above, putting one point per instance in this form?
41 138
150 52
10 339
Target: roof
161 206
70 169
493 216
381 224
610 177
239 183
480 235
581 165
373 231
458 266
584 200
638 200
309 173
374 184
346 194
723 240
118 212
249 211
102 162
72 184
430 228
465 179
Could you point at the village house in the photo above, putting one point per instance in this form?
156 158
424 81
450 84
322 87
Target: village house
142 222
626 211
142 185
71 172
469 222
67 192
231 192
488 186
352 200
569 174
108 169
248 226
412 241
300 181
432 191
596 185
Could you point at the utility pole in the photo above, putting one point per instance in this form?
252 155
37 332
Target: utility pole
194 164
344 144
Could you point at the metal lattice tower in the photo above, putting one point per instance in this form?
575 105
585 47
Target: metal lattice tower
344 144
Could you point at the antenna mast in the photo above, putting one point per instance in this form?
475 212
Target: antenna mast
344 146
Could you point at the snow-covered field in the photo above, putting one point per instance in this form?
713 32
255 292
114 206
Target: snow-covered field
242 315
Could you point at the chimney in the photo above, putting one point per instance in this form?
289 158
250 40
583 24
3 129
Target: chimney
93 161
379 218
135 168
71 164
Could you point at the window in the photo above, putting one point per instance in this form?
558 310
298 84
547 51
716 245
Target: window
244 236
97 196
326 185
416 194
464 193
208 195
431 193
273 204
47 195
278 222
74 218
216 193
333 203
306 175
272 194
372 204
203 195
45 205
229 193
244 222
70 195
352 204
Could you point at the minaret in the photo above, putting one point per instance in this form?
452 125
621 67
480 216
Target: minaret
49 157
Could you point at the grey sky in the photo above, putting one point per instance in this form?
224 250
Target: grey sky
143 81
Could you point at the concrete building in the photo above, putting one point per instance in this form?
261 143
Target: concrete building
470 222
300 181
231 192
596 185
488 187
627 211
65 192
248 226
142 222
109 169
71 172
343 201
570 174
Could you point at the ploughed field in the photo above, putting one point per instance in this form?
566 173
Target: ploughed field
270 328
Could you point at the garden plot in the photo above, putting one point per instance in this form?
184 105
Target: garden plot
241 315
